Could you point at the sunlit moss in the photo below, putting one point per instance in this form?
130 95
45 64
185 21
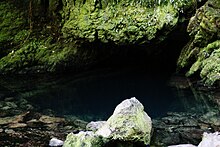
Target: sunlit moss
126 22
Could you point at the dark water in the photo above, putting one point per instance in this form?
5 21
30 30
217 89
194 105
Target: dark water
94 95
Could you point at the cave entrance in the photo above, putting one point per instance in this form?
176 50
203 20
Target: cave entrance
156 58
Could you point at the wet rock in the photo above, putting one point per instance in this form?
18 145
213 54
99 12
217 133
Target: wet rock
34 123
48 119
211 118
190 134
54 142
177 128
129 123
13 119
52 126
94 126
17 125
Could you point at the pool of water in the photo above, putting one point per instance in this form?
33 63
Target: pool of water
94 95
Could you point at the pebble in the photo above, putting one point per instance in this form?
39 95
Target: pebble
55 142
9 131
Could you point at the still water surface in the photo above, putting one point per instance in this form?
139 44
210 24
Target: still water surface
94 95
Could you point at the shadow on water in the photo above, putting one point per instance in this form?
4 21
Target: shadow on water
94 95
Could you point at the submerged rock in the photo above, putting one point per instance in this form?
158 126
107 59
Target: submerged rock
128 126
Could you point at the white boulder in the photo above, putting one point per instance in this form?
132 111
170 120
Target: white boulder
54 142
210 140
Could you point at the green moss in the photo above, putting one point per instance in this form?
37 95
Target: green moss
124 22
11 24
40 53
201 53
83 139
210 67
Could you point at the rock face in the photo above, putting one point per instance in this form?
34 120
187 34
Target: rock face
120 22
201 54
62 35
129 125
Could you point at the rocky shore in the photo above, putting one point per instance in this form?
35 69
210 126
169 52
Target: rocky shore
22 125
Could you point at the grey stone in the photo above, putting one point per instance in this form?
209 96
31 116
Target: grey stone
55 142
94 125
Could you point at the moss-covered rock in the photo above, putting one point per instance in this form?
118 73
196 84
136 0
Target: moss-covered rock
37 56
128 124
41 36
122 22
83 139
200 55
12 30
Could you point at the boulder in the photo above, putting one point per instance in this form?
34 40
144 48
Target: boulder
54 142
210 140
129 122
128 126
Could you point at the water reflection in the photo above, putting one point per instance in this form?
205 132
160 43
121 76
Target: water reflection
94 95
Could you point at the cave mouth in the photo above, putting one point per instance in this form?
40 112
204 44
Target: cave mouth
156 58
